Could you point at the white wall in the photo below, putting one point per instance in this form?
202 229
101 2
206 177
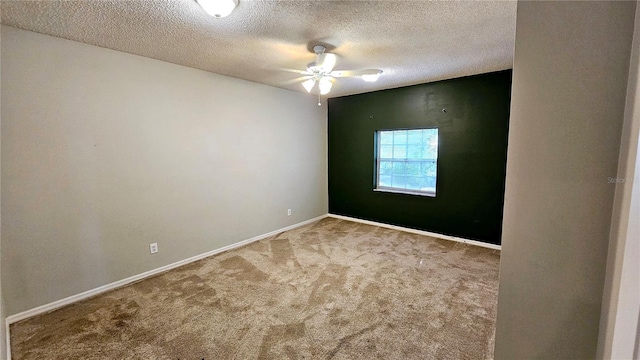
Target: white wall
104 153
568 98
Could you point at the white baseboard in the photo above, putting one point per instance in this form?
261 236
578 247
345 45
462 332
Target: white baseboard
420 232
114 285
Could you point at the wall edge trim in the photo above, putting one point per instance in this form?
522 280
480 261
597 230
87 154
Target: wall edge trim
7 340
419 232
120 283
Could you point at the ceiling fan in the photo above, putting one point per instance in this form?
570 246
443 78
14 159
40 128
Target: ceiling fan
321 72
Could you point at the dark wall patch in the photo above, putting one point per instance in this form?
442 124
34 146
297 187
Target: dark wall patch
472 115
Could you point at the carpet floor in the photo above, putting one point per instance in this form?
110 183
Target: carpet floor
333 289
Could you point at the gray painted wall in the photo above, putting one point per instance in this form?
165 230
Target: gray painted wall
3 335
104 153
621 300
569 85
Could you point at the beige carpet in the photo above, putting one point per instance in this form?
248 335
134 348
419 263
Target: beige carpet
331 290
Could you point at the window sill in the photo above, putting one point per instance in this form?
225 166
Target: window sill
407 192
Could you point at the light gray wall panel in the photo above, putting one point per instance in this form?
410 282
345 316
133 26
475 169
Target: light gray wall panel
105 152
568 98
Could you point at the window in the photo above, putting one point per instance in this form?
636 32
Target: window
406 161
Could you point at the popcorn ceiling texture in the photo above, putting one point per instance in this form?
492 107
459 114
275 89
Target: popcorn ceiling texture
411 41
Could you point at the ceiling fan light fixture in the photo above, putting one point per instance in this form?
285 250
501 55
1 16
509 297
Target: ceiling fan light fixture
372 77
308 85
218 8
325 85
321 72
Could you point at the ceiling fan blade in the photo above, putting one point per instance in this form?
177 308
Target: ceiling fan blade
301 72
296 80
326 61
350 73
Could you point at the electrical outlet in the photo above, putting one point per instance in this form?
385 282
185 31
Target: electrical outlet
153 247
289 212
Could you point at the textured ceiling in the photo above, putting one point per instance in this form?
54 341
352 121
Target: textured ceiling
411 41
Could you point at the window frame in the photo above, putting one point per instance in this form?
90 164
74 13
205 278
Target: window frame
376 172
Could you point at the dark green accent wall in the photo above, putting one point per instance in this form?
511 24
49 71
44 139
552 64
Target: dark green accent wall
472 154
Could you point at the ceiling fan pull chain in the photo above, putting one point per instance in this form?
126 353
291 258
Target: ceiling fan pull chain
319 103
